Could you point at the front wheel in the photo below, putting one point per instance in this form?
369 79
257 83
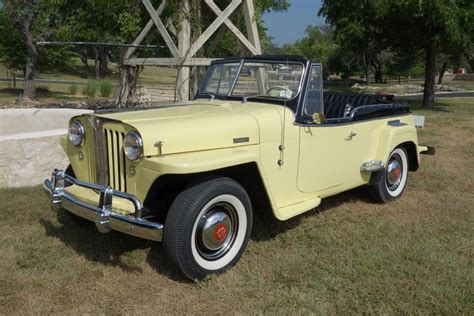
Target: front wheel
208 227
390 182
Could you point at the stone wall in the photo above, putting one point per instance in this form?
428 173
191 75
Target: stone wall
28 161
29 144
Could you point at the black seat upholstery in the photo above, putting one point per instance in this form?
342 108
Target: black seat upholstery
337 105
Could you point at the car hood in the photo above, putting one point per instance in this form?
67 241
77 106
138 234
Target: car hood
190 127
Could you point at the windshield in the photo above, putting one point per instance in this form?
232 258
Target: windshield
254 79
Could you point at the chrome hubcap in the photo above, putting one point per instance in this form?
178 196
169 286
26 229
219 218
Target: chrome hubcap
394 172
216 231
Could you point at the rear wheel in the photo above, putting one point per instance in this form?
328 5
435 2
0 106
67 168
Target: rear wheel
390 182
208 227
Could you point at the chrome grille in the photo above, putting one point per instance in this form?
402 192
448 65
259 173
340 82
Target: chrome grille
115 161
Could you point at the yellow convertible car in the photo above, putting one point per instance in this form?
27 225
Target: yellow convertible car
258 135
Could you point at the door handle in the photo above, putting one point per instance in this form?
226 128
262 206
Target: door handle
351 135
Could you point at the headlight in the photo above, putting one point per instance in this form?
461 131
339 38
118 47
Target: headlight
133 146
76 133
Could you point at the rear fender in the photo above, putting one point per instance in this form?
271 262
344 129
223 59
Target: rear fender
392 137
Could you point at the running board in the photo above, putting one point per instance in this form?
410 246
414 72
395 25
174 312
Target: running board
372 166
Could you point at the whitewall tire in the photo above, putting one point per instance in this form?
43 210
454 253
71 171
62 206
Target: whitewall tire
208 227
391 182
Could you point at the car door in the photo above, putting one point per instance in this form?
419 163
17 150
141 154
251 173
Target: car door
330 154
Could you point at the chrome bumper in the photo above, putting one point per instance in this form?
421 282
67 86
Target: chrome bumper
104 217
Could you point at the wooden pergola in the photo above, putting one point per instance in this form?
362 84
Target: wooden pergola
184 51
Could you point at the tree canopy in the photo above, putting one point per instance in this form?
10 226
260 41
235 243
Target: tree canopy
368 27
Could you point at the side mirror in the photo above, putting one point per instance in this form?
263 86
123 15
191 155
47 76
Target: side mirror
318 118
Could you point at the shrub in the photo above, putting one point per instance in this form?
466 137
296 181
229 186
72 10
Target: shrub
73 89
105 88
90 88
42 89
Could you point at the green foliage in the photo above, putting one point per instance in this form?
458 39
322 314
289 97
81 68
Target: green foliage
90 88
73 89
12 48
105 88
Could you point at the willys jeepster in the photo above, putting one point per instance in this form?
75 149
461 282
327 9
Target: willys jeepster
258 135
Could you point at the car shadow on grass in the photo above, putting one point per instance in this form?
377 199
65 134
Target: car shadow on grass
117 249
112 249
266 226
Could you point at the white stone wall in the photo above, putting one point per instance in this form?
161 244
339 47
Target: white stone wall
27 162
29 144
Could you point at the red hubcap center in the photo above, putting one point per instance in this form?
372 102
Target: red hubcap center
220 232
396 172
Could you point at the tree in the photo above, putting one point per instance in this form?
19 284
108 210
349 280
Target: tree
355 28
12 48
23 14
429 25
318 45
410 25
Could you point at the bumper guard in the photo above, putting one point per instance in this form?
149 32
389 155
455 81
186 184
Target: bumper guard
104 217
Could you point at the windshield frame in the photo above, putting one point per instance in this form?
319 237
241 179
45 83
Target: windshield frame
292 103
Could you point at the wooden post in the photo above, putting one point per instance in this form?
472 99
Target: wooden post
185 54
252 33
184 44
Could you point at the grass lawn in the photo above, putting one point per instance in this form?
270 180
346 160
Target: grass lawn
349 256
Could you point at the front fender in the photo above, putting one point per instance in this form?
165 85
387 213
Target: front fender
202 161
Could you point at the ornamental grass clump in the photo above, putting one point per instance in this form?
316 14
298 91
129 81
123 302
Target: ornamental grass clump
73 89
90 88
105 88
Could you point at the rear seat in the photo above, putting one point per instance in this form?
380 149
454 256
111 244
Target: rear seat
338 105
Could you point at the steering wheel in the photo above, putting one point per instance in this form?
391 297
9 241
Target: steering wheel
276 91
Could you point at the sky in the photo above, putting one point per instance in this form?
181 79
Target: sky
286 27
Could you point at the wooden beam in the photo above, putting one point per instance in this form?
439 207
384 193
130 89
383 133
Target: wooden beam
214 26
252 33
169 61
157 21
145 31
251 24
233 28
184 44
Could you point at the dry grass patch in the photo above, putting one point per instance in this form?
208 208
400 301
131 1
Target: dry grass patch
414 255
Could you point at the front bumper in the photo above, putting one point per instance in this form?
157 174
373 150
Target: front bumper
104 217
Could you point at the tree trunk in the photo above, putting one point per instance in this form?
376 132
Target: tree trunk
96 62
442 71
470 60
367 61
126 91
103 62
430 75
31 59
31 64
23 14
83 56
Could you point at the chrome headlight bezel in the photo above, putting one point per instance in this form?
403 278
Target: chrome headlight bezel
133 146
76 133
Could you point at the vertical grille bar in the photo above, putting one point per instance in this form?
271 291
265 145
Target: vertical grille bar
121 164
110 154
115 162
